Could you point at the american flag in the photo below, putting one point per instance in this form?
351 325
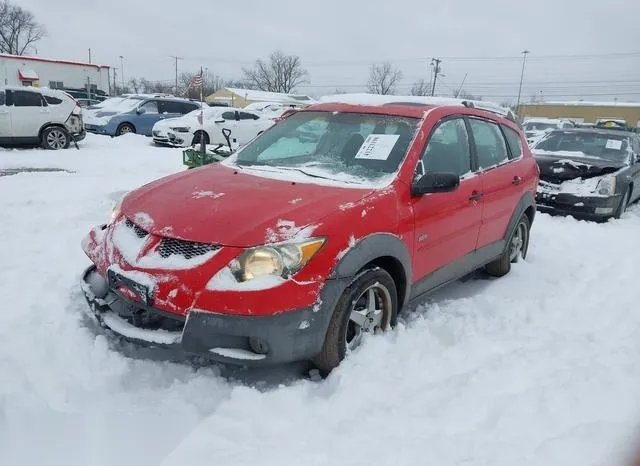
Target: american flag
197 80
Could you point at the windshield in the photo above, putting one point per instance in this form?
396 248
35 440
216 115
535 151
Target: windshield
350 147
538 126
603 146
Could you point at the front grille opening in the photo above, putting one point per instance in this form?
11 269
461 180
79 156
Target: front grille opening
187 249
140 232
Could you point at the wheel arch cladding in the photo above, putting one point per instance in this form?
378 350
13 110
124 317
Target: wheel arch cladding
526 206
383 250
44 127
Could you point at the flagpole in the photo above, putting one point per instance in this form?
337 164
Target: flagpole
203 148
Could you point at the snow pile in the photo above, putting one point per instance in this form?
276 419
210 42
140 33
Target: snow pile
540 367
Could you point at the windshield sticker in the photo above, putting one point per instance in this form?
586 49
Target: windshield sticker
614 144
377 146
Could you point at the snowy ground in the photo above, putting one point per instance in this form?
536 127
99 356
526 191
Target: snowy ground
541 367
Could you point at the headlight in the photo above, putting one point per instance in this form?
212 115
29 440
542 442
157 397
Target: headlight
281 260
180 129
606 186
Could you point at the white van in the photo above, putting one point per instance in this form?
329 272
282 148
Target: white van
30 115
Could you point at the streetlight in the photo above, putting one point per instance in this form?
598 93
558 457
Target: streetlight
524 60
122 71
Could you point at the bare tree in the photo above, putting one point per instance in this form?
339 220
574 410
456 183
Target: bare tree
18 29
421 88
135 84
383 78
282 73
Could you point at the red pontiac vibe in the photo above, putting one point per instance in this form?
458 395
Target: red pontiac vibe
317 232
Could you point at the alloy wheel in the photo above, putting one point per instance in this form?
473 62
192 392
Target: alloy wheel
370 313
56 139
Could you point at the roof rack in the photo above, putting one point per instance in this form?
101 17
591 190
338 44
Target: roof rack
489 107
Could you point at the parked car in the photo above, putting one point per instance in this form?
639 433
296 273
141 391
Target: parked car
588 173
88 102
48 117
295 249
137 114
536 128
187 130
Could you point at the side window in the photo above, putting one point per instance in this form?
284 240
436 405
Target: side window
52 100
448 149
248 116
1 98
165 106
150 107
229 116
515 143
27 99
490 144
186 108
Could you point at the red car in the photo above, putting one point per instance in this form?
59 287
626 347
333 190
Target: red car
316 233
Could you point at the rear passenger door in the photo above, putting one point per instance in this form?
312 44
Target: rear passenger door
5 120
446 224
500 171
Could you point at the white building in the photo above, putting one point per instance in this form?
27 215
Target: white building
57 74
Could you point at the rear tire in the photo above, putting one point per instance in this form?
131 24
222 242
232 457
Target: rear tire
368 305
125 128
517 247
55 138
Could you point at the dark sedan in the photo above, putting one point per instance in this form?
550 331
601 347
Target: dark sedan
588 173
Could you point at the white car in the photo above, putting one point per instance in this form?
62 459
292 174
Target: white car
30 115
536 128
187 130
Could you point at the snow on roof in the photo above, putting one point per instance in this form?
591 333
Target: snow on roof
376 99
49 60
265 96
584 103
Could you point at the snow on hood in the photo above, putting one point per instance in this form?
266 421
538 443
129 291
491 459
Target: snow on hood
235 213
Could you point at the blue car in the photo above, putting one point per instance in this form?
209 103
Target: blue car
137 115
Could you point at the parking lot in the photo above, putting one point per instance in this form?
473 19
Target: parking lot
527 369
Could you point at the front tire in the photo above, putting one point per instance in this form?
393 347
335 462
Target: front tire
197 138
368 305
125 128
517 247
55 138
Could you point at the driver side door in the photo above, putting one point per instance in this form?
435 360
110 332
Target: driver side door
446 224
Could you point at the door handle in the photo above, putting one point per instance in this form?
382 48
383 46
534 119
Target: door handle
516 180
475 196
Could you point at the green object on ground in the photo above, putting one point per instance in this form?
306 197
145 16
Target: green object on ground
193 158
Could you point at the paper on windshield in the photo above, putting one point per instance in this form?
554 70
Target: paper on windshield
377 146
614 144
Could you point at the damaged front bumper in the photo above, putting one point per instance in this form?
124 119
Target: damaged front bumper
582 207
246 340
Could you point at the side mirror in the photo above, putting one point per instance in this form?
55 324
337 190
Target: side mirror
141 110
435 183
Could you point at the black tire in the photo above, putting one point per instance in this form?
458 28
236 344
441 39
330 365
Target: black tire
196 138
344 333
624 203
517 247
55 138
125 128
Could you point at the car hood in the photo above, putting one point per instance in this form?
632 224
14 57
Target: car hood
220 205
168 122
568 166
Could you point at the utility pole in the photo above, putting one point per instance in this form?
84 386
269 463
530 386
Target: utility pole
176 60
115 90
524 60
89 55
122 71
436 71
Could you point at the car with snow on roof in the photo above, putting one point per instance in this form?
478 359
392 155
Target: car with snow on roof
588 173
536 128
317 233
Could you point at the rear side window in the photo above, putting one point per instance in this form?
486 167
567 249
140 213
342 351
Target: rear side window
52 100
186 108
248 116
490 144
27 99
1 98
515 143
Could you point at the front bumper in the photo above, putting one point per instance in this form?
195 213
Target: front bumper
290 336
95 129
587 208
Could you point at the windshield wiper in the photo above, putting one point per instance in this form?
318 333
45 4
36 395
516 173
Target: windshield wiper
312 175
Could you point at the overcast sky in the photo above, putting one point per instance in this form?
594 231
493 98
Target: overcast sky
587 49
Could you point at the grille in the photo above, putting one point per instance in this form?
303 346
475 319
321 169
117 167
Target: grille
140 232
156 133
188 249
